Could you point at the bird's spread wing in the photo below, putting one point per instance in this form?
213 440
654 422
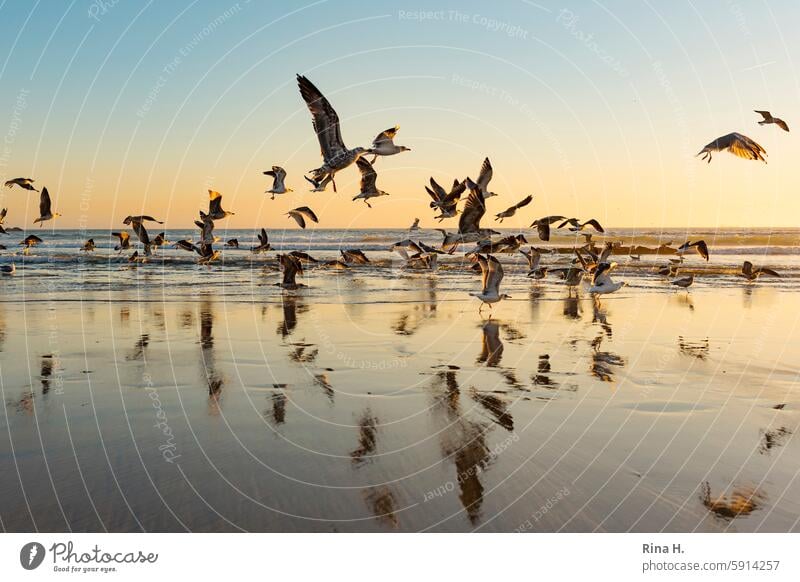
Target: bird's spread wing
44 202
474 209
524 202
325 119
214 202
141 232
739 145
486 174
436 191
594 224
298 218
308 213
747 266
495 274
782 124
765 114
368 175
543 228
386 136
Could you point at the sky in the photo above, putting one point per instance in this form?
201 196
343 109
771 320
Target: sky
597 109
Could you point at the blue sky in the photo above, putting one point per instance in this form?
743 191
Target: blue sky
593 107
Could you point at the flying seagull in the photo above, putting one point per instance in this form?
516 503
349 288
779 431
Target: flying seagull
485 177
278 177
446 201
512 210
354 256
737 144
415 225
124 240
45 210
215 211
160 240
232 243
29 241
88 246
368 182
206 230
469 228
577 226
26 183
141 218
335 155
301 214
263 243
534 257
700 245
543 225
383 144
144 237
752 273
769 119
492 273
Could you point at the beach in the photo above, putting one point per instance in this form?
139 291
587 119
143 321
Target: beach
173 397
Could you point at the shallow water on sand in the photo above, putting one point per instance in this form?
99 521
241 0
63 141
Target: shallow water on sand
365 403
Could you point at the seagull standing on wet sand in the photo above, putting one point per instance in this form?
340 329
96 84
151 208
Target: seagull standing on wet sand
335 155
769 119
45 210
737 144
301 214
512 210
383 144
278 177
492 276
683 282
25 183
369 177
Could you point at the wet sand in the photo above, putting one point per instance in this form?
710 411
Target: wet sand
649 411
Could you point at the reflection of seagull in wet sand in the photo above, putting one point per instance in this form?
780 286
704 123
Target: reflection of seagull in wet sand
278 177
752 273
700 245
737 144
769 119
336 156
301 214
291 267
491 346
369 188
383 144
512 210
25 183
492 273
602 283
45 210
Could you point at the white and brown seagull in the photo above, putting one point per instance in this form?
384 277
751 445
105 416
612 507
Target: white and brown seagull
737 144
301 214
769 119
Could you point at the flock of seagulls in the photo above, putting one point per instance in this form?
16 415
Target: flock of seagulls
588 263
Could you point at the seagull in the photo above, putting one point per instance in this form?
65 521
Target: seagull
769 119
303 257
29 241
45 211
737 144
415 225
215 211
469 229
354 256
577 226
300 215
512 210
141 218
485 177
445 201
335 155
278 176
144 238
25 183
206 230
3 214
602 282
572 276
263 243
185 245
88 245
336 265
124 240
492 272
423 261
368 178
700 245
383 145
404 247
291 267
8 269
509 244
751 274
135 258
543 225
160 240
232 243
534 257
683 282
207 253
